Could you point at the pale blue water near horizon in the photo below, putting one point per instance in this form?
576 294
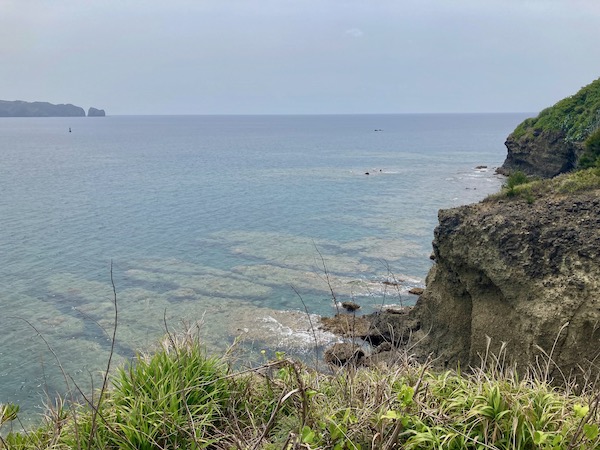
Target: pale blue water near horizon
216 219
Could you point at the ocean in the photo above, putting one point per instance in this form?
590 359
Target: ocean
234 225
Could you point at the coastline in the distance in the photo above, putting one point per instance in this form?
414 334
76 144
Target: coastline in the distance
19 108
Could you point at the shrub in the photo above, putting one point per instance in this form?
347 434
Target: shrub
515 179
591 155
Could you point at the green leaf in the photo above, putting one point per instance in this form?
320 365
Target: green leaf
591 431
405 396
581 410
392 415
539 437
308 435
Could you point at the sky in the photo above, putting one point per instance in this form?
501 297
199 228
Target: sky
298 56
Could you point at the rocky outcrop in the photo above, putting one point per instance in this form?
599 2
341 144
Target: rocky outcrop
543 154
38 109
519 273
553 142
93 112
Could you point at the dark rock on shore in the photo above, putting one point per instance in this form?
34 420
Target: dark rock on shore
350 306
343 354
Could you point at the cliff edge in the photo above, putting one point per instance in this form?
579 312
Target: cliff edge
555 141
522 271
516 276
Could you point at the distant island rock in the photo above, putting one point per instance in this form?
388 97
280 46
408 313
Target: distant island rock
93 112
20 108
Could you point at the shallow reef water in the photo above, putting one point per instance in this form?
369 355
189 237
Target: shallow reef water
236 224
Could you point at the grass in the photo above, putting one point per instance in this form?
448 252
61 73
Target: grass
519 186
181 398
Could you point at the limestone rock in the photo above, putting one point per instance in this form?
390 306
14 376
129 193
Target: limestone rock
543 154
524 274
342 354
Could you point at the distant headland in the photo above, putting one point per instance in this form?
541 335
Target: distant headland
20 108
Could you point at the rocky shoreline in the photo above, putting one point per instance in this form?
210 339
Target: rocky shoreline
509 277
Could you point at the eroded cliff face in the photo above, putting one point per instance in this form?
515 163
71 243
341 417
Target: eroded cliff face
543 154
524 274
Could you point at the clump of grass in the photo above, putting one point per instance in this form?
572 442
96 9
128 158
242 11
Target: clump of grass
581 180
522 187
180 398
515 179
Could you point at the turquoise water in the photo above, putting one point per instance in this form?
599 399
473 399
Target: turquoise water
216 220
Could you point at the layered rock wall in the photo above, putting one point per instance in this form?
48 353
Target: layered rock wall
524 274
543 154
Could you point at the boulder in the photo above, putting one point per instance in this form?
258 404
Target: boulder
343 354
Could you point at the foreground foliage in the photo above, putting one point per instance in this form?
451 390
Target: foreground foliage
180 398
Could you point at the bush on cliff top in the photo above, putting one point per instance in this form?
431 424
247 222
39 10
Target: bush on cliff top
178 398
576 116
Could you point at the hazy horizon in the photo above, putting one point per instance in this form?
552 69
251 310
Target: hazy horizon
274 57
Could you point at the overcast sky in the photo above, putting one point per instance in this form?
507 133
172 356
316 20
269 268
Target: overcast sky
298 56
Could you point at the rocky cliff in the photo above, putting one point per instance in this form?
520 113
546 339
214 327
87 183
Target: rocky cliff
543 154
553 142
38 109
517 271
514 276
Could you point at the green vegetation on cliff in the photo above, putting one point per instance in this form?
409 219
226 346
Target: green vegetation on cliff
518 185
576 116
179 398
